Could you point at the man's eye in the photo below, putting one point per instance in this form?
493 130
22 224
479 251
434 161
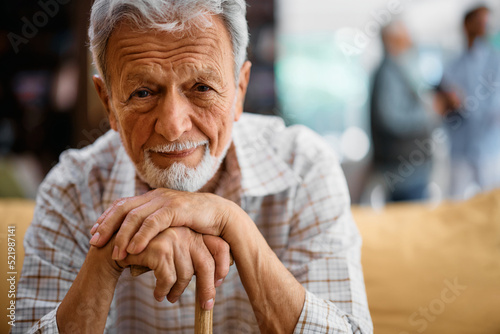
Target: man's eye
203 88
141 94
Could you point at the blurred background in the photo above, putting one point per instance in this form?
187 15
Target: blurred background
387 106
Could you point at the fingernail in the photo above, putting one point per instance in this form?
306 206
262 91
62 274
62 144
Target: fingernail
94 228
219 282
115 253
131 247
95 238
160 299
209 304
122 255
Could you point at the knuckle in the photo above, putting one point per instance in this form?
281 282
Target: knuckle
183 205
132 216
221 247
205 266
207 291
147 231
165 279
118 209
151 222
116 201
149 262
119 203
183 281
171 278
185 275
156 252
179 202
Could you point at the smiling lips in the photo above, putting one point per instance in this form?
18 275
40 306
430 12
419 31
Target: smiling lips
178 150
177 154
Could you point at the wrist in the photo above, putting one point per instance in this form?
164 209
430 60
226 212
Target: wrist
92 290
243 236
233 224
104 264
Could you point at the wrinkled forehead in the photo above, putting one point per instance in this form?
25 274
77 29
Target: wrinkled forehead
130 46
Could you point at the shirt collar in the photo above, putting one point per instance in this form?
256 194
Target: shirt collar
120 182
263 170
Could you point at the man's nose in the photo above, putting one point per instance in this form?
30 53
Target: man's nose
174 117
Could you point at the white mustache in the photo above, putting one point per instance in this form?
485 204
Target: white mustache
173 147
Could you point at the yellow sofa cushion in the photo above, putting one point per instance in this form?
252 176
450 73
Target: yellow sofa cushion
433 270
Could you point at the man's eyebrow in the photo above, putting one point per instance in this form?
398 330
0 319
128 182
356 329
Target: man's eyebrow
146 77
209 73
137 77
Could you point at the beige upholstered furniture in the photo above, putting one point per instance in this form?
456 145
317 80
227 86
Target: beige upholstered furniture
427 270
433 270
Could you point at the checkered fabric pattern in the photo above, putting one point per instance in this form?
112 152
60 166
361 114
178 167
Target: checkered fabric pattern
286 179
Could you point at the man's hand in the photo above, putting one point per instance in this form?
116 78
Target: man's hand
147 221
144 221
178 253
140 219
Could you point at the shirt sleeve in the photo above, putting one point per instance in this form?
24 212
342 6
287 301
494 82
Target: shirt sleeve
56 245
324 254
48 324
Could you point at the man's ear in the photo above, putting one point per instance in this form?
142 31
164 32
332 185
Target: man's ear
102 91
242 89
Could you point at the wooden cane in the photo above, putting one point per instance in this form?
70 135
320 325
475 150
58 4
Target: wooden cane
202 318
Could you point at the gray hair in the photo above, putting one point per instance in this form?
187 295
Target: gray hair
165 15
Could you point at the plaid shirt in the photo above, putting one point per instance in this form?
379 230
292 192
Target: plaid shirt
286 179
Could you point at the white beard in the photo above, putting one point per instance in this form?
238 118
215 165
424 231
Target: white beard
178 176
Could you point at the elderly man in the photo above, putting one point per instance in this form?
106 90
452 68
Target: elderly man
182 177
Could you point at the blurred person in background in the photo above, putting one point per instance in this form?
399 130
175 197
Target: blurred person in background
401 119
470 91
